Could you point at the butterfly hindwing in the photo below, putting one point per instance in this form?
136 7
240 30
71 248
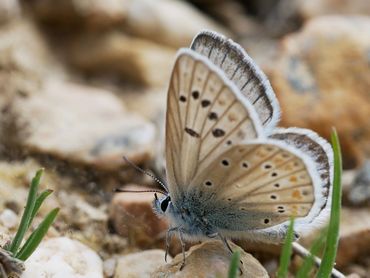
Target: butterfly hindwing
262 184
206 114
240 69
321 154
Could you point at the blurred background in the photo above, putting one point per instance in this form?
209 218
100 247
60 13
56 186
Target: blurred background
84 82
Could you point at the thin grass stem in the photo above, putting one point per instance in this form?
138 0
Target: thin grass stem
331 247
27 214
286 251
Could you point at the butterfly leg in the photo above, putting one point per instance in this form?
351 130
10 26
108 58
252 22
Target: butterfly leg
168 240
224 240
182 249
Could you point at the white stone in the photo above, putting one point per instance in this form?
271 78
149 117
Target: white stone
109 266
63 258
141 264
8 218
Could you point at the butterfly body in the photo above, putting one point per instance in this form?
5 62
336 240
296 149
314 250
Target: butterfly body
230 171
192 218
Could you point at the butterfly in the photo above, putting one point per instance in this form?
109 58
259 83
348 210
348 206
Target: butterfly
231 173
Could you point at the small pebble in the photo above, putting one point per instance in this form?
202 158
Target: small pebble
8 218
141 264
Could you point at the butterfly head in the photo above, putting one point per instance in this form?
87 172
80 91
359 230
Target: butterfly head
161 205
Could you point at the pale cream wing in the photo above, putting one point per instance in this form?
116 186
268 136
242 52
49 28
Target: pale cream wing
264 183
206 115
240 69
321 153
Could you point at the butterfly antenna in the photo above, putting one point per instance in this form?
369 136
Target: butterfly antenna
146 173
141 191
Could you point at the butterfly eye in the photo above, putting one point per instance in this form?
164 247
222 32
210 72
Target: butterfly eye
164 203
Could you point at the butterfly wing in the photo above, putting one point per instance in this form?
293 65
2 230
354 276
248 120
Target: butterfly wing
240 68
321 154
260 185
206 114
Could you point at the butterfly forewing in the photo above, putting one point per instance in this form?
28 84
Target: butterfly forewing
245 74
267 179
206 115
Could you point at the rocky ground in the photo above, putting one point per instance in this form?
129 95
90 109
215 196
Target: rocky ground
83 82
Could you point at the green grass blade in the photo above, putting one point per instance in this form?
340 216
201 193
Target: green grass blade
26 217
40 199
316 247
35 238
286 252
234 265
330 251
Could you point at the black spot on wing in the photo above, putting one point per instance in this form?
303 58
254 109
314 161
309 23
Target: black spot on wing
217 132
192 132
205 103
225 162
208 183
212 116
195 94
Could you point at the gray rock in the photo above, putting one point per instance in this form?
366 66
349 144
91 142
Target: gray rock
83 124
315 8
133 217
131 59
359 192
319 87
77 14
169 22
